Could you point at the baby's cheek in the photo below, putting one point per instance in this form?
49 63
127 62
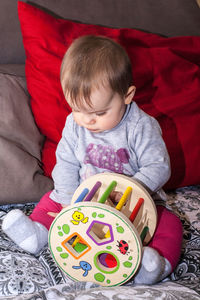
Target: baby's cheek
76 118
109 122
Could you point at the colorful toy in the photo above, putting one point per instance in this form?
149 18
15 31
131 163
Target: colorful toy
94 240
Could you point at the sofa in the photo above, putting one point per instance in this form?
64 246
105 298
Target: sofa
162 39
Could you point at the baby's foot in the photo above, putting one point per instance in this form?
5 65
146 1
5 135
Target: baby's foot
153 269
30 236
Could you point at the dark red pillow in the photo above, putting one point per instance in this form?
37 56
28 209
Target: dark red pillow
166 73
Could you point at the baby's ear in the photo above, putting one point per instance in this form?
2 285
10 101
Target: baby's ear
130 94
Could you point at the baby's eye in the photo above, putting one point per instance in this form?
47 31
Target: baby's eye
101 113
75 110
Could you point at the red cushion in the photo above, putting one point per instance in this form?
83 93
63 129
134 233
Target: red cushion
166 73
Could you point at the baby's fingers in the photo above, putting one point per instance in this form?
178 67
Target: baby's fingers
52 214
115 196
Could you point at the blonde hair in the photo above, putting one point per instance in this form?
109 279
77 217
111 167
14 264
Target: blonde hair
92 61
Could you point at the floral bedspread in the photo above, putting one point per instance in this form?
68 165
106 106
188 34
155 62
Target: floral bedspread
24 276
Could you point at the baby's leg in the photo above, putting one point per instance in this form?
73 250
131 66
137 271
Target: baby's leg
45 205
163 252
31 233
167 239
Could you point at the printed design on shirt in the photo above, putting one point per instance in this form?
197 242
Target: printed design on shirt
88 173
105 157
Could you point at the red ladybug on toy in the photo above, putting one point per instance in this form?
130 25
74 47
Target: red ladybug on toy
123 246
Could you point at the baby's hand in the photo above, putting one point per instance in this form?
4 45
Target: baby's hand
115 196
53 214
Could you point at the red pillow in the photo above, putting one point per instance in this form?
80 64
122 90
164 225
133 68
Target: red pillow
166 73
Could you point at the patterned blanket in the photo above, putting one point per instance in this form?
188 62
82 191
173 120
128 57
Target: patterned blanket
24 276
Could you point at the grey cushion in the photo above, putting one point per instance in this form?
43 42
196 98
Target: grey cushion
21 175
167 17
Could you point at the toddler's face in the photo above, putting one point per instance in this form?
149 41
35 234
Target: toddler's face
106 111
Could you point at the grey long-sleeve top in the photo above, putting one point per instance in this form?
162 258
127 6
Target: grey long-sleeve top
134 148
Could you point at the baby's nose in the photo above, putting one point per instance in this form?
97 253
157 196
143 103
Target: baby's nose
89 119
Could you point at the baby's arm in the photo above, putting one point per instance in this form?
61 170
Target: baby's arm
152 156
53 214
66 171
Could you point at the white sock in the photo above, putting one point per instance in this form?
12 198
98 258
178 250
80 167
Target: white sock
153 269
167 269
30 236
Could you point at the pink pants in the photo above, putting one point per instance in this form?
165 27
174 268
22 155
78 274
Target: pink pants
167 239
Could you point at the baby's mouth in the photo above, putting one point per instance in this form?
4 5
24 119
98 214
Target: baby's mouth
93 130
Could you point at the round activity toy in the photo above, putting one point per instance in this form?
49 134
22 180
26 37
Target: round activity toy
96 240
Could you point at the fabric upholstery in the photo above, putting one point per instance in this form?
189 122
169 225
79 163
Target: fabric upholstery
22 178
169 18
